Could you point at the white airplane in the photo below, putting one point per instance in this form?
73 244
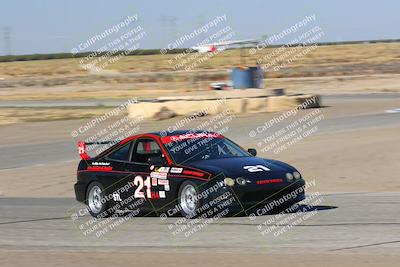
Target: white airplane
219 46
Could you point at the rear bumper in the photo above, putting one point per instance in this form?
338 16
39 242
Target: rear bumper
80 191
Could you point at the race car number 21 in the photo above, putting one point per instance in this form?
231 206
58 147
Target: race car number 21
140 183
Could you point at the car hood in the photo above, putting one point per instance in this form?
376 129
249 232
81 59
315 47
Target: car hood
248 167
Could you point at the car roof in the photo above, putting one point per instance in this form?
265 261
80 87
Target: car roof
171 133
163 134
159 134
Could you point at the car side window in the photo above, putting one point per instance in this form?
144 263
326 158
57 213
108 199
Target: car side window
144 149
121 154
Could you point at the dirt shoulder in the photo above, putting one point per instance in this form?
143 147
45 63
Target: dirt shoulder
193 258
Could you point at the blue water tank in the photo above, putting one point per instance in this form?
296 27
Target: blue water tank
241 78
251 77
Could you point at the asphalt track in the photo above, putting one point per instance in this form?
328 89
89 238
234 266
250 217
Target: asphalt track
352 222
343 221
17 155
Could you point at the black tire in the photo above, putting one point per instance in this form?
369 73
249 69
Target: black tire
184 209
99 208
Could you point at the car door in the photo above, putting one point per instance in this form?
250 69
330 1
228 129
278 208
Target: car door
150 181
117 180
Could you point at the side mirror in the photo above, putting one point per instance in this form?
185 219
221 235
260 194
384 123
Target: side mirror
156 160
252 151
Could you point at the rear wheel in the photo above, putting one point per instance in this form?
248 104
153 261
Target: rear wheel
188 198
98 206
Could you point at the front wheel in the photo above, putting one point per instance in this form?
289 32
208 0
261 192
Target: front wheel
97 204
188 199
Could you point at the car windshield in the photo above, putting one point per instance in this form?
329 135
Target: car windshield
203 148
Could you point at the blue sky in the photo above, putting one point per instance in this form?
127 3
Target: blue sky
45 26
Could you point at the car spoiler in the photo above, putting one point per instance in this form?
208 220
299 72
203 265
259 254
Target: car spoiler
82 147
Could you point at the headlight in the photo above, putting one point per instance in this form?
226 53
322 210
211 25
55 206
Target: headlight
241 181
289 176
229 181
296 175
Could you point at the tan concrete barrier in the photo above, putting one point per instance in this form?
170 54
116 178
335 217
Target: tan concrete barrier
280 103
215 94
212 107
312 101
256 105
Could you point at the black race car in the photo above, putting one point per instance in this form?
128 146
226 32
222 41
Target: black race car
182 172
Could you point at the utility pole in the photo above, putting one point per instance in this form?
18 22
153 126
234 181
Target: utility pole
7 41
169 22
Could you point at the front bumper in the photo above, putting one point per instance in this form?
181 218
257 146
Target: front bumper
286 194
253 196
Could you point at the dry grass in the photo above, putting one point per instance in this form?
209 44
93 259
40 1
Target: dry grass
140 76
16 115
324 56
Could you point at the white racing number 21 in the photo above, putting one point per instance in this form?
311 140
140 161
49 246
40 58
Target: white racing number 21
256 168
140 183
